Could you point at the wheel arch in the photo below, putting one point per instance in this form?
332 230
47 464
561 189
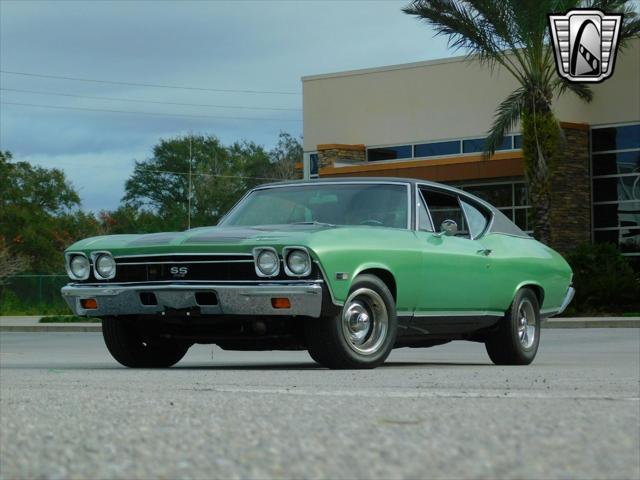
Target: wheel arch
535 287
383 274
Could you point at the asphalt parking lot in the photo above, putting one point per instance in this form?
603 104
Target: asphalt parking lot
67 410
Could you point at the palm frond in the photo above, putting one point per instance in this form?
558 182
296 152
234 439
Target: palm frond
506 117
465 28
583 91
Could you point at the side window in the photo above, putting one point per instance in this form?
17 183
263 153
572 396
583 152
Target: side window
424 222
445 206
476 219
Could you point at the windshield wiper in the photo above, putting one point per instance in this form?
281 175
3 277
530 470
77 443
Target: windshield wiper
314 222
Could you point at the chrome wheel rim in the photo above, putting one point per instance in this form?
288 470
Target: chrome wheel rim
365 321
526 324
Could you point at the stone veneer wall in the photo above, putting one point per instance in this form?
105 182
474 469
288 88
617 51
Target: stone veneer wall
330 154
571 192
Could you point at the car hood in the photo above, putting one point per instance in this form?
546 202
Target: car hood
201 240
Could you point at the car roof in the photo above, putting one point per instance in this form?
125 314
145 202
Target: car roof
351 180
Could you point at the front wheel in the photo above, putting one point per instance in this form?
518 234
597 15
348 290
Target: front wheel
137 347
518 336
362 335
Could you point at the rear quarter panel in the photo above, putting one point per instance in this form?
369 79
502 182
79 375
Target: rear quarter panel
516 262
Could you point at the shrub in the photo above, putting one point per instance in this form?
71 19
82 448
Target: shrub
604 280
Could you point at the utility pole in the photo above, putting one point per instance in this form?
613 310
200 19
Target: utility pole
189 195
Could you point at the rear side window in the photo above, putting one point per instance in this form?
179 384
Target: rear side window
477 220
445 206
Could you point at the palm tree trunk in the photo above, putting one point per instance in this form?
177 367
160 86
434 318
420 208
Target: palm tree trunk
540 140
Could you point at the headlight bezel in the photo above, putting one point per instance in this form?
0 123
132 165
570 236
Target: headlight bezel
95 257
257 252
287 251
69 257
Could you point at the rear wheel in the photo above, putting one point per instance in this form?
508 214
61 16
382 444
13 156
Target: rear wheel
518 336
362 335
137 347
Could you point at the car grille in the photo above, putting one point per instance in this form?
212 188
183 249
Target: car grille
218 268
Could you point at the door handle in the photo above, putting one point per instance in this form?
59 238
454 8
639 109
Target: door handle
485 251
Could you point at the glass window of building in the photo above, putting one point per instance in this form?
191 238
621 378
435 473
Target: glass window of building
314 164
476 145
511 198
616 186
615 138
435 149
389 153
517 142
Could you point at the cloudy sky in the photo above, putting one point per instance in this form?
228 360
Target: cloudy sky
230 52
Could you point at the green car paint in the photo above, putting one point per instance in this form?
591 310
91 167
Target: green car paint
430 273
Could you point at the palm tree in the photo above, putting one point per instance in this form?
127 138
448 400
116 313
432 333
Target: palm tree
514 35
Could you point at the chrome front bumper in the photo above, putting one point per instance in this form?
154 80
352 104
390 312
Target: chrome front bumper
113 300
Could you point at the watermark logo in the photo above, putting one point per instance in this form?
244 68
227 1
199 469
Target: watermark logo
585 43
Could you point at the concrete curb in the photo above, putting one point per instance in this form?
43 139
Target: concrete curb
30 324
604 322
53 327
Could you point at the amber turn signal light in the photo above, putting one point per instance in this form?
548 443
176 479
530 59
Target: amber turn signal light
89 303
280 303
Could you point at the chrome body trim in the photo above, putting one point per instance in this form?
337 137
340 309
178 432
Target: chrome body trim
67 265
285 252
567 299
248 300
184 263
94 259
183 254
459 313
256 253
204 282
324 275
565 303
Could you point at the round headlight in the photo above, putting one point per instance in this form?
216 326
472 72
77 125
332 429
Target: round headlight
105 266
268 263
79 267
298 262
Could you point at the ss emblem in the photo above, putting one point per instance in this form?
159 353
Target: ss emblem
179 271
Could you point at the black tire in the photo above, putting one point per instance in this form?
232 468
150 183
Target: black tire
137 347
506 346
328 340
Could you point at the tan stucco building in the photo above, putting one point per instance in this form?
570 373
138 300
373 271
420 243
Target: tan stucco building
428 120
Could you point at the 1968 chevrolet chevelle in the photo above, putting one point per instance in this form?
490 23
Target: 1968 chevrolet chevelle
348 269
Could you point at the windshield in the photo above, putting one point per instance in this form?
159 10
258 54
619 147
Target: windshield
379 205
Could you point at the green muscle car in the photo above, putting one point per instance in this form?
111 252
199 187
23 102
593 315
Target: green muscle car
347 269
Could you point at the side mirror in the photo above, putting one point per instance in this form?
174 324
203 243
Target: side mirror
448 228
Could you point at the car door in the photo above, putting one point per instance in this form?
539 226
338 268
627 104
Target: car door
456 268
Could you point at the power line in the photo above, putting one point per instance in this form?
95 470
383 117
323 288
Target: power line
153 85
158 102
156 114
205 174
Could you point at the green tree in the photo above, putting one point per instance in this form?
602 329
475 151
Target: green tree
127 219
39 214
513 34
285 155
219 176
